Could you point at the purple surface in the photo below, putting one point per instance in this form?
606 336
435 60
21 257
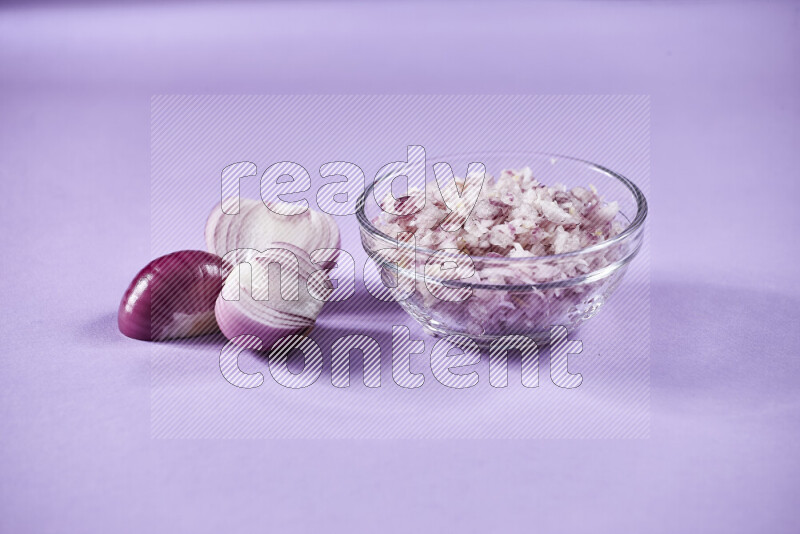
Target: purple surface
76 447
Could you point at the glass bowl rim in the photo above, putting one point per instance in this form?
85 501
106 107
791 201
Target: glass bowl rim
633 226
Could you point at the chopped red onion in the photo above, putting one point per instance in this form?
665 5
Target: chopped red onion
515 216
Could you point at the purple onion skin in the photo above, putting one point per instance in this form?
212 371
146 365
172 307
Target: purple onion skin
173 297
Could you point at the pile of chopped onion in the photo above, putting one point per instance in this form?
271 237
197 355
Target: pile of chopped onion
515 216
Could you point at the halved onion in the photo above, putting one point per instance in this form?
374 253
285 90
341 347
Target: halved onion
257 309
257 227
173 297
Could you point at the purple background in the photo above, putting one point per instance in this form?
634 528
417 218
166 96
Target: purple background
74 119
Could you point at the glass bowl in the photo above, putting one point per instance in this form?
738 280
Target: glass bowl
537 294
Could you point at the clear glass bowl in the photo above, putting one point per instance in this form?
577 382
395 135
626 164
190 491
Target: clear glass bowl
534 302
